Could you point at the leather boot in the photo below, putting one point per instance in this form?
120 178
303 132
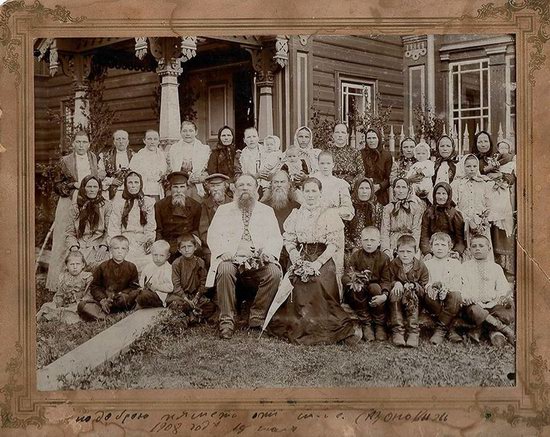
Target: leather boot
439 334
396 318
413 329
379 317
368 333
501 327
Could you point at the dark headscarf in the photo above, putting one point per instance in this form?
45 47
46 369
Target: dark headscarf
367 206
88 209
404 162
451 160
129 201
450 203
373 154
491 150
222 158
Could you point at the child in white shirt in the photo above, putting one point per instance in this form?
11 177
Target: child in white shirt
423 167
156 278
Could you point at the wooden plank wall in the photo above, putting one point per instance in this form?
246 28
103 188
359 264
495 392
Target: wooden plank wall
379 59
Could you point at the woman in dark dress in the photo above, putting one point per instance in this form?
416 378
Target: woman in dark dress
378 165
313 314
223 156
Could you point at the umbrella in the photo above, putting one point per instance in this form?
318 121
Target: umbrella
285 288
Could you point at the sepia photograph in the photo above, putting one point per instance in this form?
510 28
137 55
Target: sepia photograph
275 211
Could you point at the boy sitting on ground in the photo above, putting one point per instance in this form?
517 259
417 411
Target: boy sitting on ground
367 284
189 278
409 278
442 297
487 296
114 285
156 277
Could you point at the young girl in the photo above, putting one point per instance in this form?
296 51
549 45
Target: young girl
442 216
72 285
445 163
295 166
472 194
403 215
150 163
420 173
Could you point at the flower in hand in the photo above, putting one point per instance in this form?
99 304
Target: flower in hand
304 270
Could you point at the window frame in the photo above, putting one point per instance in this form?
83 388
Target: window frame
353 80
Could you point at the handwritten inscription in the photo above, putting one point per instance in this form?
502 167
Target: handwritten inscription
261 422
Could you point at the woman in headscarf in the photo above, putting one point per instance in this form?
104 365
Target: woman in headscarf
442 216
484 150
303 140
223 155
133 216
89 217
368 212
403 215
401 166
472 195
378 164
446 160
73 169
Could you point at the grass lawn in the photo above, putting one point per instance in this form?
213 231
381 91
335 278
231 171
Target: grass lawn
174 356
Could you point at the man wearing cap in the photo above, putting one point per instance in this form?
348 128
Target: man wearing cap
238 230
281 197
216 189
177 214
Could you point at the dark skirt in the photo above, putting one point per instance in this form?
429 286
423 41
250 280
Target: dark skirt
313 314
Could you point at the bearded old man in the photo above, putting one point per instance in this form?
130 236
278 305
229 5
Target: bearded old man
282 198
216 188
177 214
238 230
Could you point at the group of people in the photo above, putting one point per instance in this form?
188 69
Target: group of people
331 245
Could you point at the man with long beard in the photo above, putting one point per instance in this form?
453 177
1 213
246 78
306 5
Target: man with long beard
216 188
177 214
281 197
239 230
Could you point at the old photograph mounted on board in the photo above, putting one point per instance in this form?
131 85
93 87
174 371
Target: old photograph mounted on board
297 210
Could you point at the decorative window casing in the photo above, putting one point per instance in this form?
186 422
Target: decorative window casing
469 96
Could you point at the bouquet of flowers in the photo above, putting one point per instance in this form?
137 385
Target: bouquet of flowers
481 222
500 184
255 261
303 270
493 162
410 299
359 279
440 290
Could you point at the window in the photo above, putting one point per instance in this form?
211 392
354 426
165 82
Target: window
510 97
417 91
217 109
469 96
356 97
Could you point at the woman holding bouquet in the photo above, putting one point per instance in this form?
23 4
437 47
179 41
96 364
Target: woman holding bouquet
133 215
313 314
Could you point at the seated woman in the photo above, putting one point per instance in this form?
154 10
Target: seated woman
313 315
368 212
87 227
133 216
403 215
73 168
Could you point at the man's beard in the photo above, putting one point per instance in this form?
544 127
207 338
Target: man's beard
218 196
246 201
279 198
178 200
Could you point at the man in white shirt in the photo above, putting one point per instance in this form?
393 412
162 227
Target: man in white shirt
115 162
239 230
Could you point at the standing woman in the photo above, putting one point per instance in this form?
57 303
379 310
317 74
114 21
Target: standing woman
223 155
303 139
484 150
73 168
403 215
378 164
150 163
445 163
134 217
401 166
89 217
347 160
314 315
368 212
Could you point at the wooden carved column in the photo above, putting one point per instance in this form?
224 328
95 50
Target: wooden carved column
169 53
268 61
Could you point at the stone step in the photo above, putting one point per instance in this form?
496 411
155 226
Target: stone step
99 349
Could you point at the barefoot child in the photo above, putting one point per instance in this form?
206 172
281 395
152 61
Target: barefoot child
487 297
114 286
409 277
442 297
367 284
156 278
72 286
189 278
